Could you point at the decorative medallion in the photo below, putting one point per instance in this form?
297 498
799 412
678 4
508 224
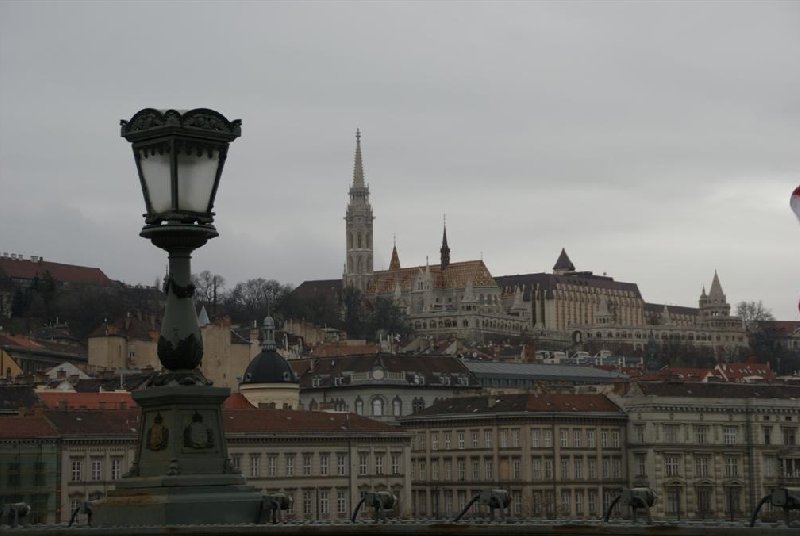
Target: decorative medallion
158 434
197 434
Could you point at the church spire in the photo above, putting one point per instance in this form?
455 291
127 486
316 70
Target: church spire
394 264
445 250
358 166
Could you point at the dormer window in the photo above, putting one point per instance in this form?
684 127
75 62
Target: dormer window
315 381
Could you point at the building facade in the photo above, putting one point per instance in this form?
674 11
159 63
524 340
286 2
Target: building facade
559 455
381 386
711 450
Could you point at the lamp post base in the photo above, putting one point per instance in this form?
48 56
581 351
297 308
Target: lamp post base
182 474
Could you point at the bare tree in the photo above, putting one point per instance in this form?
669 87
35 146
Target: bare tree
208 288
752 313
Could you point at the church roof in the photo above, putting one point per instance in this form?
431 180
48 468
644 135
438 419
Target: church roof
455 276
658 308
715 292
395 262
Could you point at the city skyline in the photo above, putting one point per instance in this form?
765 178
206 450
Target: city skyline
655 142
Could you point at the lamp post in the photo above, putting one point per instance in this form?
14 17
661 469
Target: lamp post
182 473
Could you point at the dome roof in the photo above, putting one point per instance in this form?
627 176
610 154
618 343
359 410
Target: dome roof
268 367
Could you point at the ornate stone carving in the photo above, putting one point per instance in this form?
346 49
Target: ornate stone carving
157 434
187 354
197 435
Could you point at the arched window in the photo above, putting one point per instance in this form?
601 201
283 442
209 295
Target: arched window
358 236
359 406
397 407
377 407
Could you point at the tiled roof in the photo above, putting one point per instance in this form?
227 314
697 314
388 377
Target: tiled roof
95 423
738 371
27 426
130 382
718 390
658 308
14 397
244 421
129 328
521 403
65 273
31 345
326 287
495 369
786 327
101 400
237 401
548 282
431 367
341 349
678 373
455 276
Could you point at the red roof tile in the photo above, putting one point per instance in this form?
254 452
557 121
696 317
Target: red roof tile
245 421
456 275
237 401
94 422
27 426
65 273
98 400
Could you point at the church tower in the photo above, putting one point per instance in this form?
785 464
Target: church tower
358 227
445 249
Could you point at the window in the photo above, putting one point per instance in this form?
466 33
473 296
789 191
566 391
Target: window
592 469
578 468
488 466
564 468
606 467
341 502
272 465
548 468
703 501
476 469
671 465
516 469
255 461
639 433
461 470
564 439
379 464
576 438
307 502
377 407
503 438
359 407
323 502
604 439
565 501
289 464
447 440
702 462
591 502
548 438
516 502
701 434
731 466
461 440
616 468
729 435
97 470
590 439
395 464
788 436
362 464
323 464
615 439
448 470
535 437
515 437
116 468
474 435
306 464
76 471
487 439
579 502
537 469
236 460
434 441
341 464
641 464
671 433
768 435
397 407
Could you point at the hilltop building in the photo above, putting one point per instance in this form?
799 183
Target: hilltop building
269 381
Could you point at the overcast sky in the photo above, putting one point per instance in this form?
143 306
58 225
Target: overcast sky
656 142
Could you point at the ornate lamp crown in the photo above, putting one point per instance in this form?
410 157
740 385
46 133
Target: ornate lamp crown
180 156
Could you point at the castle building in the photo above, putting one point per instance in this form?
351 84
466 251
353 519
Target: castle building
580 307
269 381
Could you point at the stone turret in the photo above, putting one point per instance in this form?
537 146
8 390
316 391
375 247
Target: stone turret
358 226
563 265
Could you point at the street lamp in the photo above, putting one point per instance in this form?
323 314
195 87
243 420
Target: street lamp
179 157
181 473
